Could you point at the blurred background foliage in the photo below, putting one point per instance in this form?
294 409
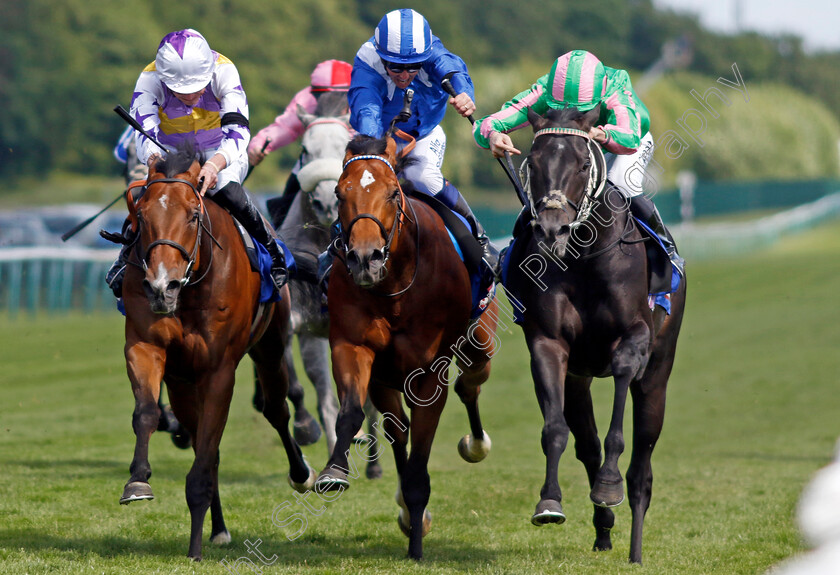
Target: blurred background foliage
64 66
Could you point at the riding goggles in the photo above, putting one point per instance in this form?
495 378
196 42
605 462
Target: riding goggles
397 68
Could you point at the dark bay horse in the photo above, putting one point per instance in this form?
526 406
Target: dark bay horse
581 272
192 311
399 306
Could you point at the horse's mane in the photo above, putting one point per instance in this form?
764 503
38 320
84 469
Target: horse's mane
566 117
181 160
331 104
370 146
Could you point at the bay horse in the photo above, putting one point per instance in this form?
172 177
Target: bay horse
192 311
399 307
580 271
305 230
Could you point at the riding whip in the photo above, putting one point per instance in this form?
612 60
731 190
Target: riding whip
136 125
509 171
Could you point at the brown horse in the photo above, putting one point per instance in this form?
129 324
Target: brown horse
580 270
192 311
399 306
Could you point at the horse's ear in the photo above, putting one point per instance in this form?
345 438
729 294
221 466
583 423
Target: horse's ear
194 170
347 155
534 118
590 118
391 150
305 117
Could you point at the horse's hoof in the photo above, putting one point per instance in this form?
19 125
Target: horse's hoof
306 430
136 491
474 450
306 485
548 511
222 538
331 480
360 437
181 438
602 541
373 471
607 494
405 523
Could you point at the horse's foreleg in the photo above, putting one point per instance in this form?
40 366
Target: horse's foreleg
145 364
548 368
314 352
351 369
218 531
473 363
215 391
415 484
581 419
306 429
648 418
373 469
274 378
628 363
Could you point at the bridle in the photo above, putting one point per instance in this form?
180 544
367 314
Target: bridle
342 241
595 186
189 256
556 199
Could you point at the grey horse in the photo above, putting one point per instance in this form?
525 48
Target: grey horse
305 230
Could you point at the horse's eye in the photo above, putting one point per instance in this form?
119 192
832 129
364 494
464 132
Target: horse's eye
586 166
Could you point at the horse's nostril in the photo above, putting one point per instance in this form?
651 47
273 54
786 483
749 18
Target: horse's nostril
378 256
173 285
352 257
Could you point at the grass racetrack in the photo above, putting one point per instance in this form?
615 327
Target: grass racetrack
752 412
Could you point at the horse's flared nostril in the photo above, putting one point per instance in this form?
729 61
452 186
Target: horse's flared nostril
147 288
377 257
173 285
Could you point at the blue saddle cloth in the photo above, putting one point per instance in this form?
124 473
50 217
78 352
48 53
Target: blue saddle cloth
482 292
660 298
268 292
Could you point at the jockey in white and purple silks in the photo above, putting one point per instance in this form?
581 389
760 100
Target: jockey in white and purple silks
403 53
579 79
192 93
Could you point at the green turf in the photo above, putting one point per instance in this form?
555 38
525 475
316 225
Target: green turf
752 413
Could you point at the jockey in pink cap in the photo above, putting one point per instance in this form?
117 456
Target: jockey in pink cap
328 76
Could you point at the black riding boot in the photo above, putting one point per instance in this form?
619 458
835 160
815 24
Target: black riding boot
278 208
490 254
643 208
325 260
114 276
235 199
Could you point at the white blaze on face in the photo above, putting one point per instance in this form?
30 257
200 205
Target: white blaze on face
164 201
367 179
161 278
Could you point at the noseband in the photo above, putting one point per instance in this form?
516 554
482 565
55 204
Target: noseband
188 256
556 199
